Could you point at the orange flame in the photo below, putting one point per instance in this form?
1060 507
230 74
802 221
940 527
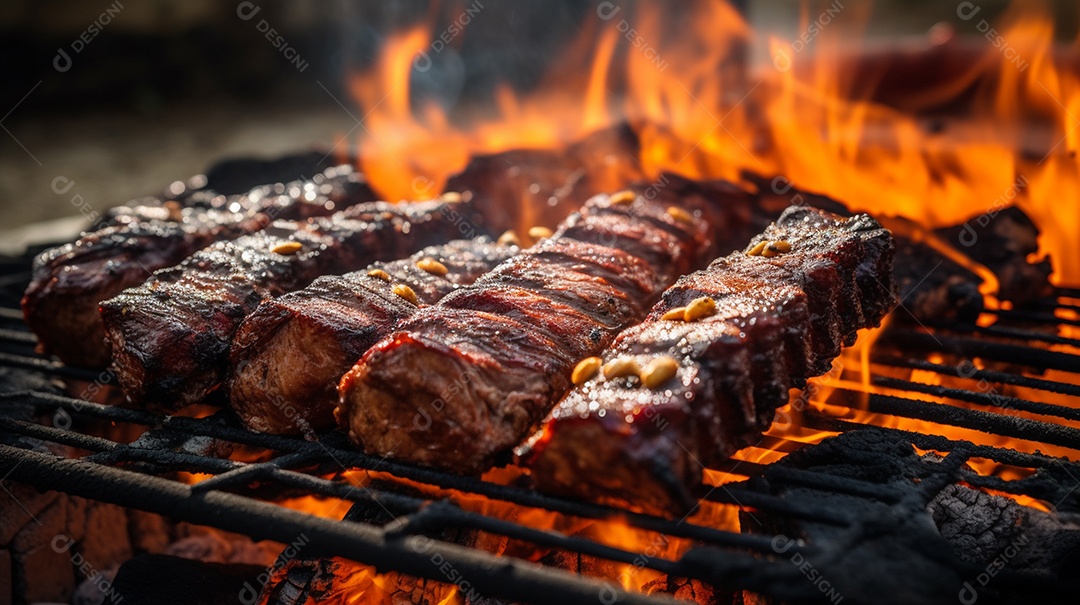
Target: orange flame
698 110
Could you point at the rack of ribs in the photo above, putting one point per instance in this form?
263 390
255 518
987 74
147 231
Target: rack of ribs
61 303
289 355
463 381
170 337
713 360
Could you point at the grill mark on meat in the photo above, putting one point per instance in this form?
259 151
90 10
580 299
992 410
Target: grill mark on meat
171 336
778 322
463 381
61 303
288 356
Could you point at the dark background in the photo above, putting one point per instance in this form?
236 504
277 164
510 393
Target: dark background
170 86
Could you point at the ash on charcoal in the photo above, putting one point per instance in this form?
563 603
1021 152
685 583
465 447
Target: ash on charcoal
976 524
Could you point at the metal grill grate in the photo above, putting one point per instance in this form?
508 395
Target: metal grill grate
142 474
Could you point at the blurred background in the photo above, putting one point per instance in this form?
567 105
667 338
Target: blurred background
123 97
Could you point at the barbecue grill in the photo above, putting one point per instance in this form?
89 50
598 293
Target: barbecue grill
934 464
142 475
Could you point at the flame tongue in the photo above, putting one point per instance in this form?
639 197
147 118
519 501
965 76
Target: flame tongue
814 113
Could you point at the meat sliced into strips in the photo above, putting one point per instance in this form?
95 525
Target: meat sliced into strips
464 380
61 303
779 319
288 356
170 337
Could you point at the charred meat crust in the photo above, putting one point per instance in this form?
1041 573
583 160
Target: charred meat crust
779 320
171 336
289 355
61 303
463 381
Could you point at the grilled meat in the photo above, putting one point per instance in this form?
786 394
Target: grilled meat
933 288
61 303
170 337
465 379
778 320
543 186
288 356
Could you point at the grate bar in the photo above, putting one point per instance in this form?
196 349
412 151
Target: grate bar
991 398
19 336
883 492
412 555
1020 334
56 368
1009 426
55 435
1033 316
732 494
926 441
1019 380
971 347
9 314
328 448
